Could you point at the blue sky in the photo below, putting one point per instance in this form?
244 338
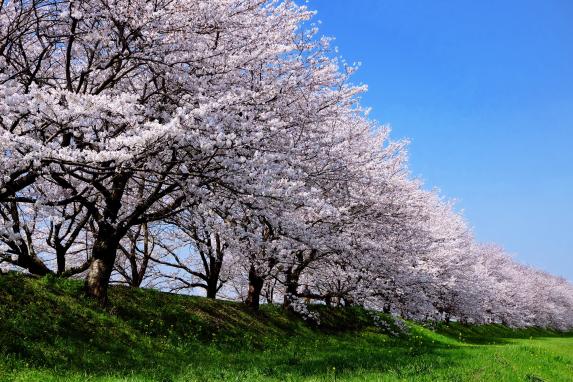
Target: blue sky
484 91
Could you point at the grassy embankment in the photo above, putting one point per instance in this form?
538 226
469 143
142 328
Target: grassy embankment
49 332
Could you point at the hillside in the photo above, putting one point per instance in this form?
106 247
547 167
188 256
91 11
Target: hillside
50 332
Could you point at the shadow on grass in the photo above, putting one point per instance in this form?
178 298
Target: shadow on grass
47 323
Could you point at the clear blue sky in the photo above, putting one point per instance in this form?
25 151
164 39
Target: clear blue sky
484 91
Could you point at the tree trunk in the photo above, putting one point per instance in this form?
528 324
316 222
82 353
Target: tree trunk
447 318
24 248
60 259
214 271
32 263
213 282
99 272
255 287
211 290
291 284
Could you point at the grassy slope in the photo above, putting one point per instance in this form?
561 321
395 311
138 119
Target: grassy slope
48 332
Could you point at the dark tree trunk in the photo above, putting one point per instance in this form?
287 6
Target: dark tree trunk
135 280
214 271
61 259
291 287
103 257
32 263
292 278
447 318
106 242
139 275
23 248
255 287
211 290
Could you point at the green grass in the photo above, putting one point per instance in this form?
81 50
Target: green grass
49 332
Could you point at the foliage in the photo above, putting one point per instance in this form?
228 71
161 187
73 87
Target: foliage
220 145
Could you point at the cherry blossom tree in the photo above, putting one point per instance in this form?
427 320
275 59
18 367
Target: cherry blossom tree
220 145
171 97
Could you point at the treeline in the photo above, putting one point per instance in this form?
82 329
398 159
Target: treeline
219 146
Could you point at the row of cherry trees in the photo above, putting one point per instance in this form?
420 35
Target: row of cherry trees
218 145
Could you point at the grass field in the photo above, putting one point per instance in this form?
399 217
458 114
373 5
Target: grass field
49 332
